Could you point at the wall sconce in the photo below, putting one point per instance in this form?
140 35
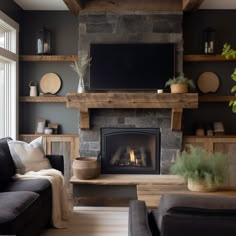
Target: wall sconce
44 41
208 39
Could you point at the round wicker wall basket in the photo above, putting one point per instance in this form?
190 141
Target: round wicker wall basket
200 186
86 167
179 88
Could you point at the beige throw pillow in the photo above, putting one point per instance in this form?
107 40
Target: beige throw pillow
28 156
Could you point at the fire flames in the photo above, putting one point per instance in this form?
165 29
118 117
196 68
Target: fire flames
132 156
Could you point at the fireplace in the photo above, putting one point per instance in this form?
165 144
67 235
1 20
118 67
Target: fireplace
130 150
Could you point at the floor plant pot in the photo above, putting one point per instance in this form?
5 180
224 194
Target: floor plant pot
200 186
86 167
179 88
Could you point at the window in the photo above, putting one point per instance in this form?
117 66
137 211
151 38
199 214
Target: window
8 77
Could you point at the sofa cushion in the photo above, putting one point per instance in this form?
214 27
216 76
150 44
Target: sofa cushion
29 156
33 185
194 205
17 211
7 167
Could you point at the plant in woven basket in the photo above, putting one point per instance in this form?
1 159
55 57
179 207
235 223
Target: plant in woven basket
229 53
198 166
180 84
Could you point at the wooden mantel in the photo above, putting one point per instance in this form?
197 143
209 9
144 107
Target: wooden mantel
177 102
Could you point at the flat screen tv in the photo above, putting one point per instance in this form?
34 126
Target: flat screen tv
131 66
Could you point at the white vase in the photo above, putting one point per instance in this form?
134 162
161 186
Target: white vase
81 86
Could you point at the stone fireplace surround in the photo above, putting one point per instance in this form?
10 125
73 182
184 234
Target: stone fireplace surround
132 27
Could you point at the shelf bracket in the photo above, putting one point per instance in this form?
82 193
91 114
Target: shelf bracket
84 118
176 119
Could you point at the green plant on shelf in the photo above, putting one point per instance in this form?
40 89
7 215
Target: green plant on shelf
180 79
229 53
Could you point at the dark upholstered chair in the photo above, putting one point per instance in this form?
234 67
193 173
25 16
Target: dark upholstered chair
184 215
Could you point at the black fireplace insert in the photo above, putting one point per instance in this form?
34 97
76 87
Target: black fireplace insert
130 150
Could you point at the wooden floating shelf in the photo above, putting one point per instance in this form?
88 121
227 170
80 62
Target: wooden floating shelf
48 135
177 102
213 98
43 99
48 58
216 57
216 138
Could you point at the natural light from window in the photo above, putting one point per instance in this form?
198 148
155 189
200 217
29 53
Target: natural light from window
8 77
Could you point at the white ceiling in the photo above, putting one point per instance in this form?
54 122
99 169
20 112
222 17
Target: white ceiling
44 5
60 5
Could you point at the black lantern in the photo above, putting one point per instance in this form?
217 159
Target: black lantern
208 39
44 41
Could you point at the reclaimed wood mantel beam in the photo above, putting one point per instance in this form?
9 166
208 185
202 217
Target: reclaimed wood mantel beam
191 5
87 101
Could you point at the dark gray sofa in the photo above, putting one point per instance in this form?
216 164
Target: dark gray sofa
25 205
184 215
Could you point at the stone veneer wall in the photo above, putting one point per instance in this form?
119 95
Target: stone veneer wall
132 27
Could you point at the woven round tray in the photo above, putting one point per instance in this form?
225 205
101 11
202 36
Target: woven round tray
208 82
50 83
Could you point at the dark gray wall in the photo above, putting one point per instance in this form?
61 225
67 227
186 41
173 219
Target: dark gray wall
10 8
65 42
193 25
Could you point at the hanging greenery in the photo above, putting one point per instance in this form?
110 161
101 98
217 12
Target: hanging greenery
230 53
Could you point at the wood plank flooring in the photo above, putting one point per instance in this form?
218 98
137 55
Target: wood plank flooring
95 221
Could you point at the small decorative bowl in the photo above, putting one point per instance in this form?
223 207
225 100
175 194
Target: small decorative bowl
48 130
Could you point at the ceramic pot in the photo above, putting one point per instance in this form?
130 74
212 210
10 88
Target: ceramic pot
33 88
179 88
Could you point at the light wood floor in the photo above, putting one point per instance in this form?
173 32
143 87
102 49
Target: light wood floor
95 221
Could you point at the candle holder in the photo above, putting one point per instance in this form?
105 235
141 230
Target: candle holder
44 42
208 40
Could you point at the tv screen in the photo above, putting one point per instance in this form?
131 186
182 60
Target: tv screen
131 66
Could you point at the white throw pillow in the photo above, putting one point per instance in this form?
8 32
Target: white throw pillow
28 156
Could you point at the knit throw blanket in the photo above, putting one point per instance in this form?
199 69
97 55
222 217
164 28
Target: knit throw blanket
60 208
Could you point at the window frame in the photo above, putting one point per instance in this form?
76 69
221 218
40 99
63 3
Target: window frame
11 55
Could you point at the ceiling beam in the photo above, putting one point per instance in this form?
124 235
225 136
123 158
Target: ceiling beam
191 5
74 6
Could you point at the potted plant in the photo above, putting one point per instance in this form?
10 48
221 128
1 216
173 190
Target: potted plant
80 67
228 52
203 171
179 84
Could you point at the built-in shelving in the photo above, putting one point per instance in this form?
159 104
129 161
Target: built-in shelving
215 98
43 99
207 57
48 58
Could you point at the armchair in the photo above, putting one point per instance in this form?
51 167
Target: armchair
184 215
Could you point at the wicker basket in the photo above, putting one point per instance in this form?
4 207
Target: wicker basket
179 88
200 186
86 167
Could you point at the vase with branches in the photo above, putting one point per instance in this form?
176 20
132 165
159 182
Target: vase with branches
80 67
